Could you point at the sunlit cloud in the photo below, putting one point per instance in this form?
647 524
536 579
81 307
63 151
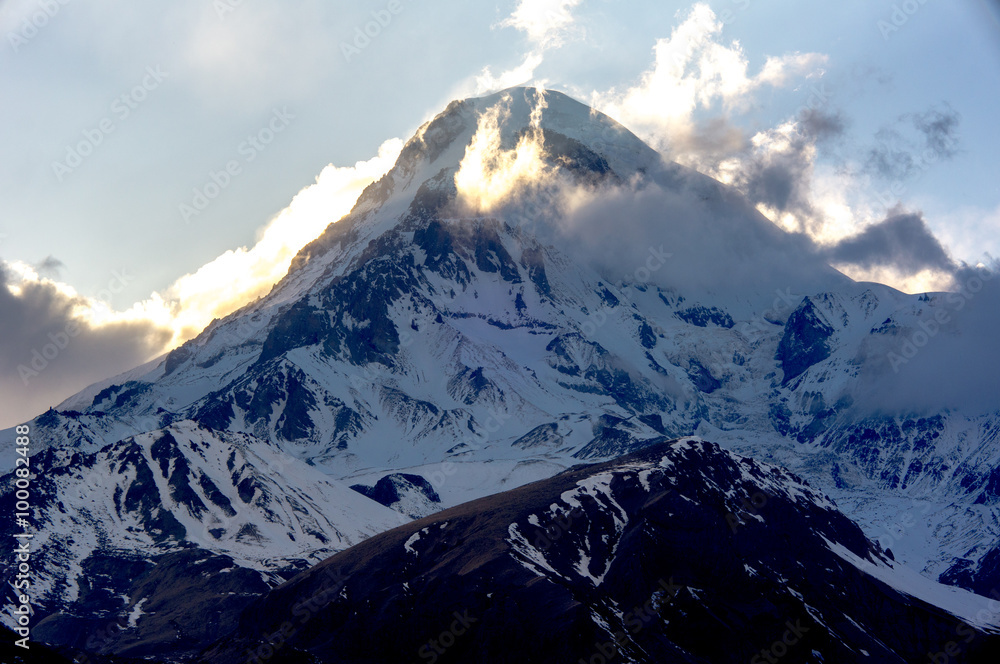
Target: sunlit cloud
487 82
693 72
690 105
547 24
241 275
924 281
238 276
488 174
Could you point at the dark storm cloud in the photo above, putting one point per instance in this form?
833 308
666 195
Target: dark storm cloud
822 125
47 352
914 142
902 241
890 159
710 141
682 230
940 130
49 266
782 178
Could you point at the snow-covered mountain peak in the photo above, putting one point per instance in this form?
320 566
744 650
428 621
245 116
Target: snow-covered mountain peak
530 286
515 111
484 148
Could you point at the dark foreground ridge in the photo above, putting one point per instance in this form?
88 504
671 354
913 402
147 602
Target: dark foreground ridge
39 653
681 552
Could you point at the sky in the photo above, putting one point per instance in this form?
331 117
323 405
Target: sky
160 165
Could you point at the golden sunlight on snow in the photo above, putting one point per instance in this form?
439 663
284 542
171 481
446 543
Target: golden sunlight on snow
488 174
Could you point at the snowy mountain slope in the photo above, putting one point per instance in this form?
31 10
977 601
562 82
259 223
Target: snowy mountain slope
575 300
182 488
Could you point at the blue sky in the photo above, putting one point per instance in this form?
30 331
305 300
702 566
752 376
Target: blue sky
162 96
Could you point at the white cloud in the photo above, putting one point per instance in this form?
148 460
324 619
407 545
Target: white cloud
487 82
778 70
545 22
689 104
693 72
